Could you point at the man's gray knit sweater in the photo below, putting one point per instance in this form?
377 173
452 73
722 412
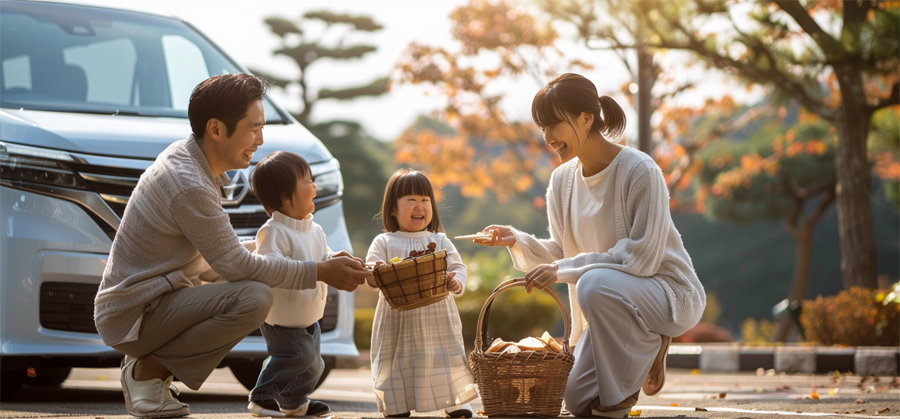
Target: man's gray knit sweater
175 234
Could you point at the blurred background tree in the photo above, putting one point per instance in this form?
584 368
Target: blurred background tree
484 151
305 47
365 161
838 59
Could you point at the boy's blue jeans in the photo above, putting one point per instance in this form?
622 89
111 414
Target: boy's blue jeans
293 367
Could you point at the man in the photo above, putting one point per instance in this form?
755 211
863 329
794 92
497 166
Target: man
179 290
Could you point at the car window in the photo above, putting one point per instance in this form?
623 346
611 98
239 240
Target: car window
57 57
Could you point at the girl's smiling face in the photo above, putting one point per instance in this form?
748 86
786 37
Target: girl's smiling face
413 212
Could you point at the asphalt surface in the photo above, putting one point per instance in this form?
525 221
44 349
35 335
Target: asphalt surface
95 393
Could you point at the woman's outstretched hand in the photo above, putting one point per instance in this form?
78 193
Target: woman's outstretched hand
541 277
500 236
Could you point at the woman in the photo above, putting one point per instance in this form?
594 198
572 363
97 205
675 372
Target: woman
612 239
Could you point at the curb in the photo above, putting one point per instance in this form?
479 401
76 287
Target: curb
862 360
733 357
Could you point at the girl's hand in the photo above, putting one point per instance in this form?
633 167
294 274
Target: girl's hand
454 284
541 277
500 236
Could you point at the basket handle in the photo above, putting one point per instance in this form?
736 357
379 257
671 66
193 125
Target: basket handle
481 327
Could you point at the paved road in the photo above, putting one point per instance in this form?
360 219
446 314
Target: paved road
95 393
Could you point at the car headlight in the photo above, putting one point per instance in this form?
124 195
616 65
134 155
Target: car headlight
328 179
20 165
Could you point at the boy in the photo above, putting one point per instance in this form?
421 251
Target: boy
283 184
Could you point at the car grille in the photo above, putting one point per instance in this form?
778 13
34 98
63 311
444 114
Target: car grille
115 186
70 307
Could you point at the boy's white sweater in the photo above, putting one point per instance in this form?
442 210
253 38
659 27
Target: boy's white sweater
285 237
648 244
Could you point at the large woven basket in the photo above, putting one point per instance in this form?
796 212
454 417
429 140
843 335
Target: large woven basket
414 283
523 383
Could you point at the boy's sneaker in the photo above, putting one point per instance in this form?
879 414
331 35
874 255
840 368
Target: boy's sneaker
266 407
150 398
310 408
317 408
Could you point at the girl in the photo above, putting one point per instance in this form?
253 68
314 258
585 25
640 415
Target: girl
418 358
613 241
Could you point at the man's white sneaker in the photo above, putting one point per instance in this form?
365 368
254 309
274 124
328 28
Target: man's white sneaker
150 398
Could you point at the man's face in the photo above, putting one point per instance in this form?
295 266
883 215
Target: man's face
238 149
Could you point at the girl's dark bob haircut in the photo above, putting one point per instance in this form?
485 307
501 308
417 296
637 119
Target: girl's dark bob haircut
275 177
402 183
570 94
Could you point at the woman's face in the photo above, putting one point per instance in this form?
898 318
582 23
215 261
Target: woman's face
567 137
413 212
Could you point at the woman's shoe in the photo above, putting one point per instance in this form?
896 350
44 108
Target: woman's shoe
655 382
462 411
620 410
398 415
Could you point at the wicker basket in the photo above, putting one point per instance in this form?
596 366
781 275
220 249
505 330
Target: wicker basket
414 283
522 383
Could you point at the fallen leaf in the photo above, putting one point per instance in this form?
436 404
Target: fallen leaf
695 371
860 401
799 411
883 410
832 391
814 395
30 373
634 413
700 409
674 405
721 395
860 411
843 413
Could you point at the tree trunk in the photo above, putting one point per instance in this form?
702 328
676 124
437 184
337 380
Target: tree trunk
645 80
803 240
854 206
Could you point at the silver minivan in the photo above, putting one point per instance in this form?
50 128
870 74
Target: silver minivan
89 97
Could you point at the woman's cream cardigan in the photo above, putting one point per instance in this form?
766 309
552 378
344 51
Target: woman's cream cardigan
648 245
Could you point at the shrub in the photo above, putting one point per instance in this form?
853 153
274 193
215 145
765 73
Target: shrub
858 317
362 327
756 333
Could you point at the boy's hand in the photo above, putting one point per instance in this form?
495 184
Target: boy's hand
342 272
455 285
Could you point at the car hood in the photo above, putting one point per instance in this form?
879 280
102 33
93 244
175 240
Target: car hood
135 137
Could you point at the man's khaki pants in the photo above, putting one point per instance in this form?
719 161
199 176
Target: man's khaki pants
192 329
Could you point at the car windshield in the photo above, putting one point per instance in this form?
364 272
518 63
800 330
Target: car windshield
56 57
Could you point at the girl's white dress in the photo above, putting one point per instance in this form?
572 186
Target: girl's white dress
418 357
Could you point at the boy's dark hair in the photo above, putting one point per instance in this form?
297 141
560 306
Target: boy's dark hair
572 94
407 182
275 178
225 98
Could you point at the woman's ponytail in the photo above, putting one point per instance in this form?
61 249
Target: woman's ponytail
613 124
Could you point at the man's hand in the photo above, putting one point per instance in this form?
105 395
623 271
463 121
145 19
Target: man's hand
500 236
347 254
541 277
342 272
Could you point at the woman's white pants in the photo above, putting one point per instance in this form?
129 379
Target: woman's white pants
626 316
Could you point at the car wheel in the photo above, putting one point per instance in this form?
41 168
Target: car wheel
49 376
11 381
247 372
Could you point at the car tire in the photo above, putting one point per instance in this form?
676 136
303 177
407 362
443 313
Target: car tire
247 372
11 381
49 376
